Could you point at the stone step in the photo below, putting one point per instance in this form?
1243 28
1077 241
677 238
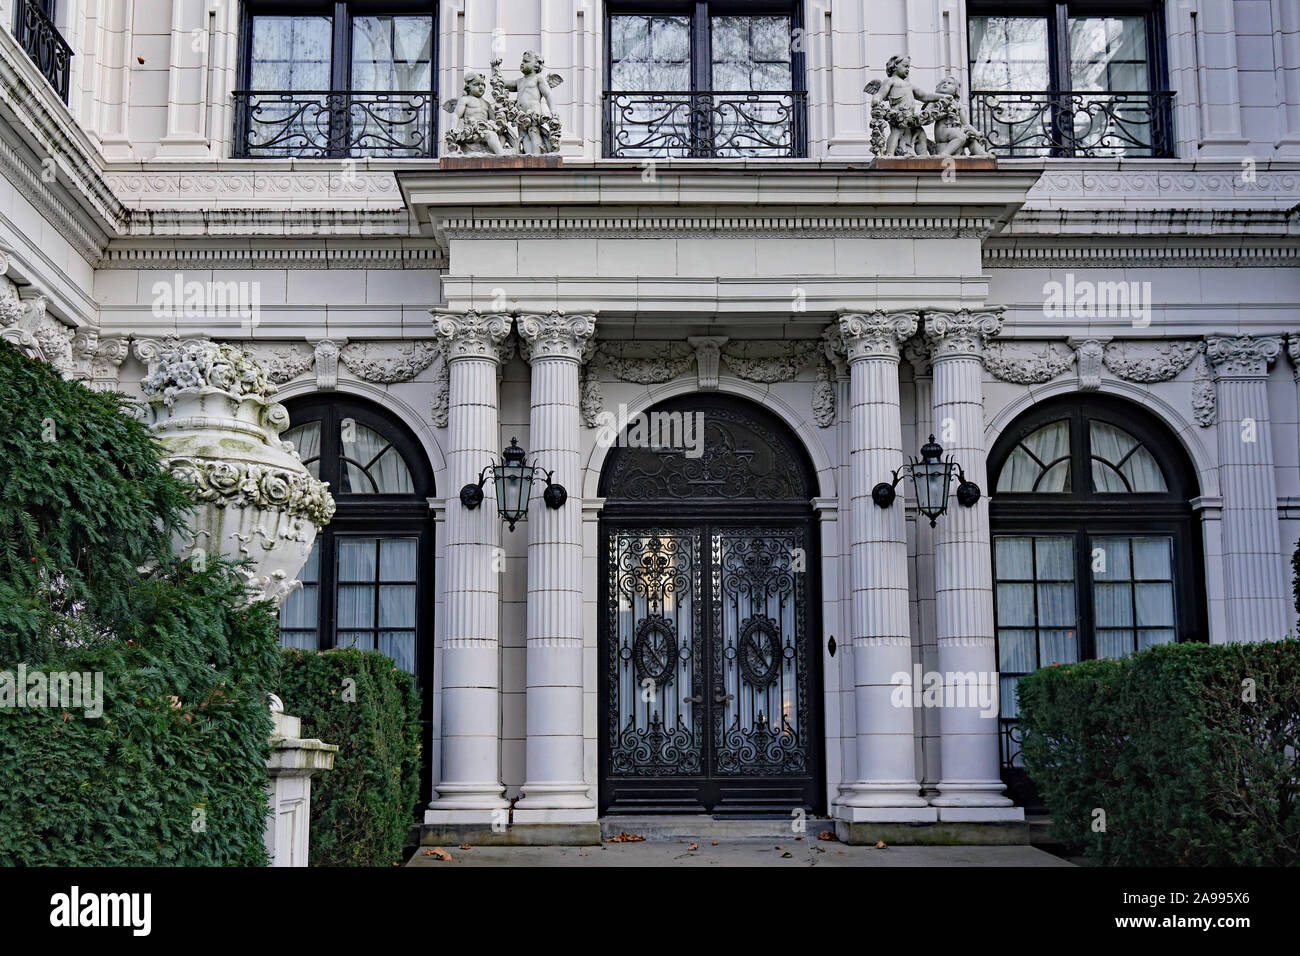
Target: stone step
706 827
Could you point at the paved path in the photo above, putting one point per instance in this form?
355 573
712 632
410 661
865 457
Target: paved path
739 852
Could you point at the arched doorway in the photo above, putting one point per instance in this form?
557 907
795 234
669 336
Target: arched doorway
1096 549
709 627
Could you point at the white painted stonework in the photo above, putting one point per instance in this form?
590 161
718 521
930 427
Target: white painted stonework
864 308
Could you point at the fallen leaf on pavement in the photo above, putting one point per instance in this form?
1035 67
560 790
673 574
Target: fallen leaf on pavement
625 837
881 845
466 846
438 853
827 835
693 846
715 843
785 854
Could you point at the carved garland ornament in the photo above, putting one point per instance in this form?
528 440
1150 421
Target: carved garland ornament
240 484
201 364
388 362
1027 363
1149 362
283 361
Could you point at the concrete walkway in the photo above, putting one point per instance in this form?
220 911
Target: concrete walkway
738 852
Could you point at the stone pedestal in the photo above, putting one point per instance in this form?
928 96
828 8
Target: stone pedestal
554 791
971 788
886 788
469 790
292 763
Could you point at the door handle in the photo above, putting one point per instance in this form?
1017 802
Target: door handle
697 699
720 698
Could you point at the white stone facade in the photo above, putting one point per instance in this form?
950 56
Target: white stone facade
864 308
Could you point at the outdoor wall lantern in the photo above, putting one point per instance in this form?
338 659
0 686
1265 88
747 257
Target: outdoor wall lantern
931 477
513 478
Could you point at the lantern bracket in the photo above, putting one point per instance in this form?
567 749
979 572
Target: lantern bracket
884 493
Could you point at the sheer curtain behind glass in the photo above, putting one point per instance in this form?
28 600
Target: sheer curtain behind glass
371 465
751 55
391 55
1041 462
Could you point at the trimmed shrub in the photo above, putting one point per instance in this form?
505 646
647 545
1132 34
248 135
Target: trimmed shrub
1190 750
174 769
362 809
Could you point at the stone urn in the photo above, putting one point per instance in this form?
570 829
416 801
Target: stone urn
211 408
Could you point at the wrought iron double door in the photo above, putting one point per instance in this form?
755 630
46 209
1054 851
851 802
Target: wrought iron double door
708 669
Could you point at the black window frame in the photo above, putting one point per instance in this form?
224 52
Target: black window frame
699 13
1086 514
375 515
341 14
1058 95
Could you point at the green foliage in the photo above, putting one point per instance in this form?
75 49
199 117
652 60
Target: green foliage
1191 750
362 809
184 666
1295 576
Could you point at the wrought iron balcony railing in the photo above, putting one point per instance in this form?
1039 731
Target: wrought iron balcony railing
43 42
334 124
1094 125
715 125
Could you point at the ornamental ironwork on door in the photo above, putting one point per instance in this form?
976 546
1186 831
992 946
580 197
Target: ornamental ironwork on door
709 646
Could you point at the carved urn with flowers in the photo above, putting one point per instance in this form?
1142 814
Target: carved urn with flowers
211 407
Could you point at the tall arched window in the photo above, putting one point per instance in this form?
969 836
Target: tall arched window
1096 552
368 580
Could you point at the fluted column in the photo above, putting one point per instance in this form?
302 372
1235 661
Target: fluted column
470 788
886 788
970 788
555 791
1257 596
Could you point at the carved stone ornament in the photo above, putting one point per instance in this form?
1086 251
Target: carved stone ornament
708 358
388 362
1027 363
283 361
1293 353
500 125
25 324
1242 356
555 335
1149 362
326 356
900 112
876 334
768 362
1204 397
823 400
591 402
472 334
963 333
212 409
645 363
440 401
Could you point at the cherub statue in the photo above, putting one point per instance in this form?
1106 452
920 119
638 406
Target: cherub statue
953 132
896 103
478 128
534 113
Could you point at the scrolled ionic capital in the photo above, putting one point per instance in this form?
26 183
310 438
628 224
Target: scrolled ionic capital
1242 356
961 334
473 335
876 334
556 335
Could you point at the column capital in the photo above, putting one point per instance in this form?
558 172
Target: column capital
875 334
962 333
1242 356
471 334
556 335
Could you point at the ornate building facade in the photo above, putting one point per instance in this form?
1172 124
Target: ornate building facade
715 317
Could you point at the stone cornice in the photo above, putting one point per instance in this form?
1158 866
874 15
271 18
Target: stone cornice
1241 356
555 335
1004 252
960 334
472 334
340 253
901 226
876 334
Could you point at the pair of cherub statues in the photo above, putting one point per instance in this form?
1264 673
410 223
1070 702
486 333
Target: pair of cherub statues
900 112
500 126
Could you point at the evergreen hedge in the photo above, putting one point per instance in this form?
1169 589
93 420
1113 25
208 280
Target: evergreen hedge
1192 751
362 809
174 770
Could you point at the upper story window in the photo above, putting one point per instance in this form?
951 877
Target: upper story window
34 28
1070 79
352 78
717 79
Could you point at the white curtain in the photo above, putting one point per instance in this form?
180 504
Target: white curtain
1047 444
388 475
1112 444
